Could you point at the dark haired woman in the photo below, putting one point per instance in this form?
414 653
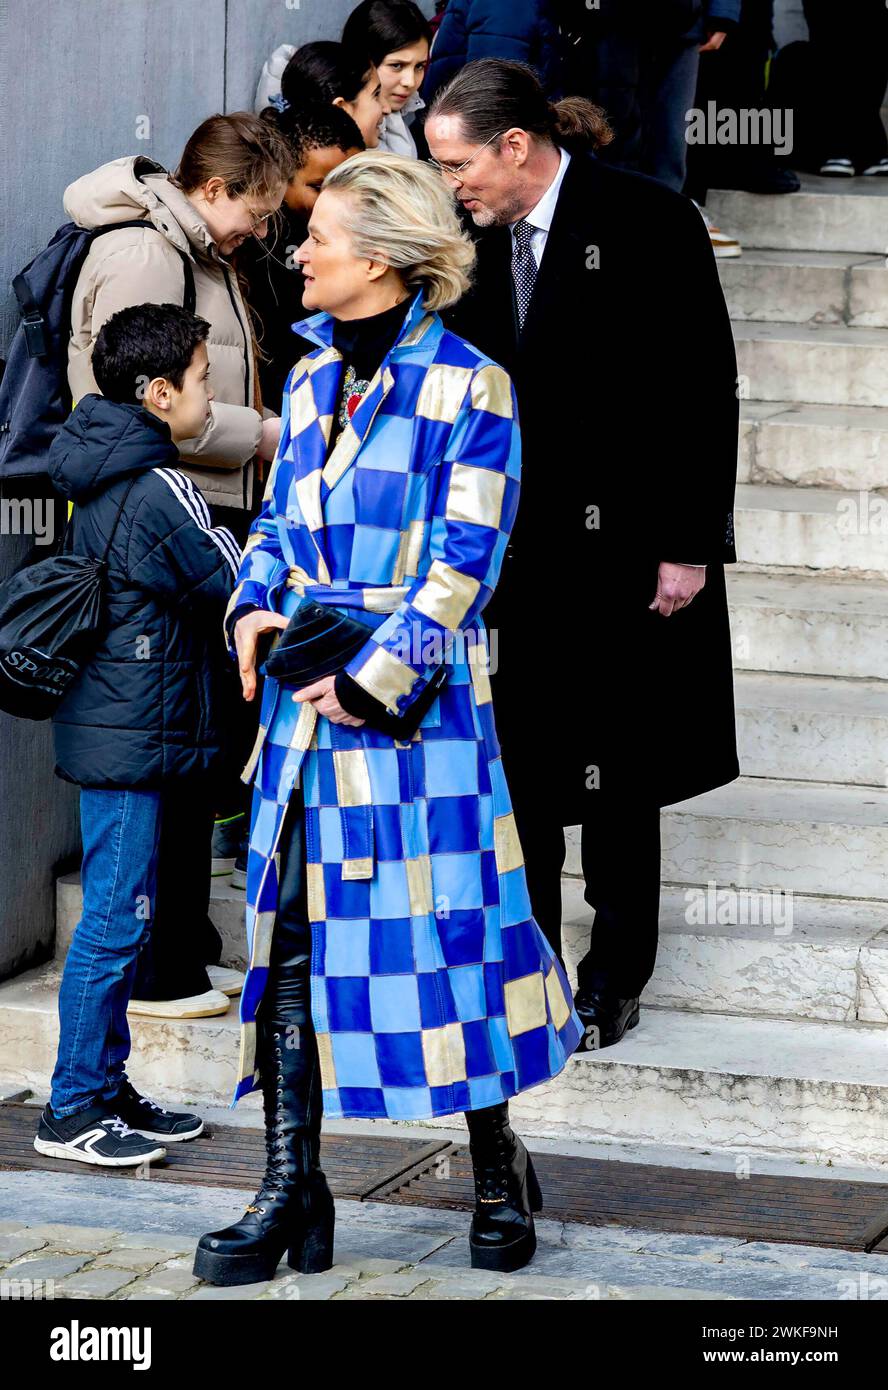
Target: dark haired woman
324 72
397 38
321 137
182 228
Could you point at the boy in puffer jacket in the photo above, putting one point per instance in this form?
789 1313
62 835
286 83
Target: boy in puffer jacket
140 718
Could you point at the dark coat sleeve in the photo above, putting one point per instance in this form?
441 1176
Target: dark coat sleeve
173 550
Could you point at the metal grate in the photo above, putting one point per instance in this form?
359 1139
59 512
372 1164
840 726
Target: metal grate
594 1192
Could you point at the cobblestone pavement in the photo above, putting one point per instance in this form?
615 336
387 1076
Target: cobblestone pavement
144 1248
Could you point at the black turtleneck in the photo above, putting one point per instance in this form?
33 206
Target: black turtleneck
363 344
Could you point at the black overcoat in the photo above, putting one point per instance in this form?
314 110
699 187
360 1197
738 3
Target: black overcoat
627 388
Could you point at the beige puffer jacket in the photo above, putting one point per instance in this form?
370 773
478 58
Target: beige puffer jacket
138 267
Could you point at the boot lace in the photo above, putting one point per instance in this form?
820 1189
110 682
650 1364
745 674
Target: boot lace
492 1171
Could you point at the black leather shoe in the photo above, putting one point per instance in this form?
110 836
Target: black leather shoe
507 1193
293 1209
605 1018
772 178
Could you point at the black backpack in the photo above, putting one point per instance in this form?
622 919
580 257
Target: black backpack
34 395
51 621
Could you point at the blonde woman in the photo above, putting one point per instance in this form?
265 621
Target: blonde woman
395 968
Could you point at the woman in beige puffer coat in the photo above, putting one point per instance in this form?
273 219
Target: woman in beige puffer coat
229 182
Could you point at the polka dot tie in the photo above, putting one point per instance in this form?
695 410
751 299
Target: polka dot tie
524 267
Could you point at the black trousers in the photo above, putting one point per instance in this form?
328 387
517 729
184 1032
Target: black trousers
620 854
182 941
849 43
287 998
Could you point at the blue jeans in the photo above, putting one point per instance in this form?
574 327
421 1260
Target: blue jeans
120 832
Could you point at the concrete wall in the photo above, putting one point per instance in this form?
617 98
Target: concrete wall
78 78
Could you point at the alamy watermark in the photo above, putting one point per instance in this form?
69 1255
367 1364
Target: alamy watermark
28 516
746 126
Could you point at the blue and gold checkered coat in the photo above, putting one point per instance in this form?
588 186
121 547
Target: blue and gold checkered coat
432 988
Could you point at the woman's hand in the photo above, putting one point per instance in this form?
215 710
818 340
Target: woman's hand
322 695
268 440
247 631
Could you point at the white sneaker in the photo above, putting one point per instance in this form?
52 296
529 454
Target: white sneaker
229 982
879 170
207 1005
723 245
837 169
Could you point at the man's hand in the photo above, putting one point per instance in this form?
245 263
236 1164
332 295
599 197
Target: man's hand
246 637
676 586
322 695
713 41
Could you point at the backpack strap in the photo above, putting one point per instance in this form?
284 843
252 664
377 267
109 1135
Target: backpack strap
32 318
189 297
113 530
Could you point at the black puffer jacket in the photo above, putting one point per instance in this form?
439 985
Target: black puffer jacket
145 708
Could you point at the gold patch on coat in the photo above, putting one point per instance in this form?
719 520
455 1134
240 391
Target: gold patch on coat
325 1061
525 1004
476 495
447 595
303 410
315 893
419 885
491 391
384 676
558 1005
444 1054
442 392
352 777
506 844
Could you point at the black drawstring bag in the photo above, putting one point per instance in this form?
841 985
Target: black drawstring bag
50 625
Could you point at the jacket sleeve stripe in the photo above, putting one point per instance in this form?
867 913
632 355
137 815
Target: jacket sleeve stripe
186 493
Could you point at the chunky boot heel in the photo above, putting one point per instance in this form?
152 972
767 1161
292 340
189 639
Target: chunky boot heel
534 1192
502 1235
311 1251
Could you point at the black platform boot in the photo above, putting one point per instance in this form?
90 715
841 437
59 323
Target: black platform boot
502 1235
293 1209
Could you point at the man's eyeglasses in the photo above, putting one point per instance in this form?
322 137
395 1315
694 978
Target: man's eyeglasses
453 171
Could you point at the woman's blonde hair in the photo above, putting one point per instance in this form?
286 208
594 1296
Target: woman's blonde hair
402 213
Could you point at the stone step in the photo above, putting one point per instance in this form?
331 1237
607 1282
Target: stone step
813 445
820 363
226 912
754 1086
807 287
804 1088
812 528
812 728
775 836
809 626
825 214
727 952
191 1061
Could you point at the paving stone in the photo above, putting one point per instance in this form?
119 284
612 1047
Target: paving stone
47 1267
212 1293
664 1293
94 1283
365 1266
163 1283
9 1228
62 1237
127 1258
307 1288
579 1237
804 1257
158 1240
406 1247
692 1247
471 1284
11 1246
394 1285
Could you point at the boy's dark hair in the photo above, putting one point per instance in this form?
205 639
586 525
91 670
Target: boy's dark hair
142 342
320 126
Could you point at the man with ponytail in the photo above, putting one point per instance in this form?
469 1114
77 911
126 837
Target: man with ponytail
597 290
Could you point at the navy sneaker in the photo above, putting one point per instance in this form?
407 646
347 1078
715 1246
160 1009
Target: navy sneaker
151 1120
96 1135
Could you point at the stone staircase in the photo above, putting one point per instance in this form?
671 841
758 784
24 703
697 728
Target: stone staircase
765 1028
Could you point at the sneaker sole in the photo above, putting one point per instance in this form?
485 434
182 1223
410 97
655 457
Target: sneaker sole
200 1007
227 982
726 253
44 1146
238 878
221 867
170 1138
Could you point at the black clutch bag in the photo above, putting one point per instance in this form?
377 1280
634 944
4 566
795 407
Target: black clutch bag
319 641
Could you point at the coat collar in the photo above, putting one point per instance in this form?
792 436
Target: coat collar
318 329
